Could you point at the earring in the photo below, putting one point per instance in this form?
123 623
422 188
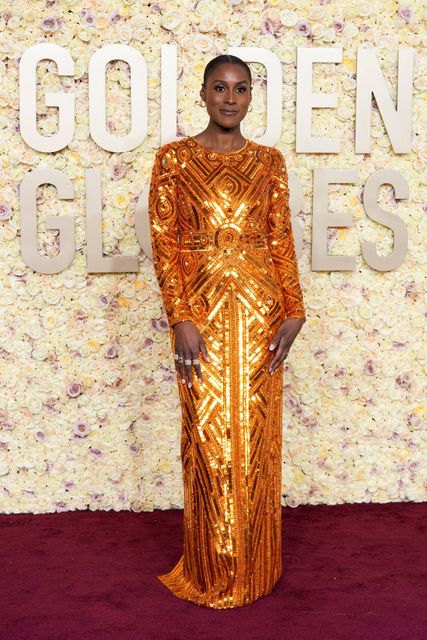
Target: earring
250 108
202 103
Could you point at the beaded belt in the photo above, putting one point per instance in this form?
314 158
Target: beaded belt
227 238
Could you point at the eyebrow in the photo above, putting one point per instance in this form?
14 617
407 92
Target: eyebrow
225 81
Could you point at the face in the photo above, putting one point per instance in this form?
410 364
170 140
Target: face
227 94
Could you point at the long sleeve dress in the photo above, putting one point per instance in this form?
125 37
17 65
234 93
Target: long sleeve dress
224 257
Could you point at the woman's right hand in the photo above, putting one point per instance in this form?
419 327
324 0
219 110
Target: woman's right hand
188 342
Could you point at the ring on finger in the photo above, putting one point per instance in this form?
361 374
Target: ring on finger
187 361
196 361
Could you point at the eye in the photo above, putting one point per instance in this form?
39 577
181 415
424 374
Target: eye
220 86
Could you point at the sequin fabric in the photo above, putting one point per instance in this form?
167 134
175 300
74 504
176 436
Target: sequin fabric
224 257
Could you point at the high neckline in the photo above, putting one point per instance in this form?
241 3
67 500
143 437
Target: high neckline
221 153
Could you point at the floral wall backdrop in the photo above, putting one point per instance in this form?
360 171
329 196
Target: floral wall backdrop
89 409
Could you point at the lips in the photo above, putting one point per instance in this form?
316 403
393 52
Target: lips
228 112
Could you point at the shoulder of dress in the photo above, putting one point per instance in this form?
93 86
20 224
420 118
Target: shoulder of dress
173 148
174 145
275 152
167 156
278 158
266 149
168 147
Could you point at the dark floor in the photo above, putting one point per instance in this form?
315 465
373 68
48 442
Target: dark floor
351 572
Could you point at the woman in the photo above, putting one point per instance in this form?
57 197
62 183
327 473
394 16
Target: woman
223 251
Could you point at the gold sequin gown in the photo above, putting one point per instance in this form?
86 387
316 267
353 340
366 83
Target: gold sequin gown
224 257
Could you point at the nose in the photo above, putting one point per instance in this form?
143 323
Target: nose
230 97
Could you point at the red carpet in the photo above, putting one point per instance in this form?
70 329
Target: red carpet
351 572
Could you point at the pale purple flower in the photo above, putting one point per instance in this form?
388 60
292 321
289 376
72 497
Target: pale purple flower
319 352
369 368
96 452
134 447
80 315
169 376
411 290
159 324
89 18
48 468
308 422
267 27
74 389
414 421
399 345
40 435
96 496
294 406
115 17
406 13
68 484
5 211
404 381
61 506
338 26
118 171
425 207
303 28
112 352
50 3
104 301
81 429
49 24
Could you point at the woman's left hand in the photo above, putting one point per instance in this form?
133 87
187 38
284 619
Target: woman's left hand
283 340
